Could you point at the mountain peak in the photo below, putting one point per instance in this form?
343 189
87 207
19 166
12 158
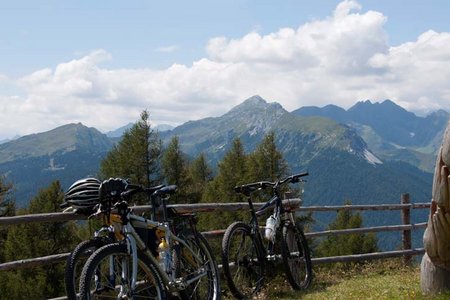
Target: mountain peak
256 99
256 102
389 102
65 138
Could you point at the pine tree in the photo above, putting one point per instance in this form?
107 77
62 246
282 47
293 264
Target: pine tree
7 208
7 204
200 174
266 162
175 171
36 240
136 157
231 172
347 244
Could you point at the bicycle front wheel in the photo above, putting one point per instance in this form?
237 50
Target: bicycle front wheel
296 256
196 264
75 262
107 275
241 264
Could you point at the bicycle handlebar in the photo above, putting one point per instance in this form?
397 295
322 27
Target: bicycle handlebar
249 188
120 188
132 189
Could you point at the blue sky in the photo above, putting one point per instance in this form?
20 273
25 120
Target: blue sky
102 62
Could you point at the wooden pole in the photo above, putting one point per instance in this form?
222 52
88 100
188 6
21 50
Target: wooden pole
435 266
406 220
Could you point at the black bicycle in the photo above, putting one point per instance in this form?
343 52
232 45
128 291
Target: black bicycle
245 255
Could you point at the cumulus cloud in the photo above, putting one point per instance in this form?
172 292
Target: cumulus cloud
340 59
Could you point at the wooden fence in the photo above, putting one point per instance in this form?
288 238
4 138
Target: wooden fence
406 227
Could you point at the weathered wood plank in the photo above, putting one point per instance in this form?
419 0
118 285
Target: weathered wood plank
40 218
367 229
181 208
34 262
367 256
364 207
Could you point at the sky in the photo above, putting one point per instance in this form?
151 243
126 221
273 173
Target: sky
102 62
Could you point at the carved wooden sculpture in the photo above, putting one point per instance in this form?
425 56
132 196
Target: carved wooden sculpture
435 267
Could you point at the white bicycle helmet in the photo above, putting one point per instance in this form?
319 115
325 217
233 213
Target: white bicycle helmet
83 194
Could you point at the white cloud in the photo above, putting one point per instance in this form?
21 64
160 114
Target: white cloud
340 59
167 49
3 78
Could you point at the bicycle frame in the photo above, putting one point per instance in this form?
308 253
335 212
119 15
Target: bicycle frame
266 254
135 242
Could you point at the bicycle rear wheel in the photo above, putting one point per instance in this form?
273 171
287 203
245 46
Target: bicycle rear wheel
296 256
241 265
75 262
198 268
107 275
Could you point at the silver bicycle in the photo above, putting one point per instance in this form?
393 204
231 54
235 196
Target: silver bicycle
174 259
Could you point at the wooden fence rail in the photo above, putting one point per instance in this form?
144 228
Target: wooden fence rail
180 208
406 228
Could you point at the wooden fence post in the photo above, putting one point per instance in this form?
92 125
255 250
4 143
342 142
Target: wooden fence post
406 236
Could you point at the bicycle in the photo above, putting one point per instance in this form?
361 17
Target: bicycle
244 255
82 197
180 263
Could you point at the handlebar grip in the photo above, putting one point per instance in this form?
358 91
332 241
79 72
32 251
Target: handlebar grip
167 190
296 178
130 186
252 187
238 189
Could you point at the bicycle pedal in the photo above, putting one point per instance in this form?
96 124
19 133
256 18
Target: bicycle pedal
178 284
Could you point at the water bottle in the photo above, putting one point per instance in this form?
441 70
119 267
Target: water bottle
271 227
163 254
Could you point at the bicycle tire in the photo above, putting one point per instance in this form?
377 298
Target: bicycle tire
296 257
104 282
247 265
206 287
75 262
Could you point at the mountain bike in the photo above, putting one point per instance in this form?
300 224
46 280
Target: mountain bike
82 197
177 262
245 258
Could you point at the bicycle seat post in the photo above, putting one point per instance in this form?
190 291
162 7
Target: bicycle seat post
153 203
250 203
164 205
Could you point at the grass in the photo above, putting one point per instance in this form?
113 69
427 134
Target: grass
379 280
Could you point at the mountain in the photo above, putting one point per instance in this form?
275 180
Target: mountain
8 140
117 133
299 138
66 153
163 127
333 152
390 131
339 160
